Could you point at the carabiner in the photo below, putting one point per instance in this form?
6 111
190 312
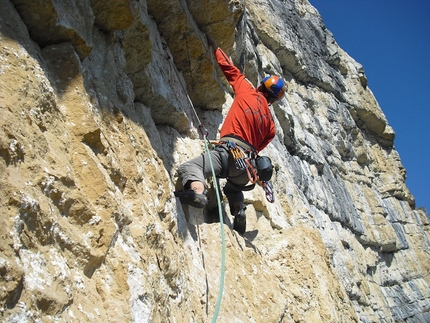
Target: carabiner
203 131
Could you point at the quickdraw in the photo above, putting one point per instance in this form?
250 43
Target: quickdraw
243 162
238 156
205 135
268 189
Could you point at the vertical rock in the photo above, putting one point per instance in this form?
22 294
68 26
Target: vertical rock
96 118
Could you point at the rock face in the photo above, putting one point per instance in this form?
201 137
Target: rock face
95 119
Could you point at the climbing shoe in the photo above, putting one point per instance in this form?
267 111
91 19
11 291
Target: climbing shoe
190 197
239 223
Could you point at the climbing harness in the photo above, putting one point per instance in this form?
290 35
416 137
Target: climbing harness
247 160
243 158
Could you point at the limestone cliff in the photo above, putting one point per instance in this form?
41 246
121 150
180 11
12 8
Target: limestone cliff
95 119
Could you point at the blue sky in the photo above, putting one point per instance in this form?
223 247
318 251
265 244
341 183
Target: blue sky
391 39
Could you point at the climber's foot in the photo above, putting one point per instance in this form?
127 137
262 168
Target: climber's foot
239 223
190 197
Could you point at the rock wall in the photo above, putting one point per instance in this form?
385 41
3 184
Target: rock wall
95 119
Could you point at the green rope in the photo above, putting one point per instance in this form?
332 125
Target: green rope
221 283
204 133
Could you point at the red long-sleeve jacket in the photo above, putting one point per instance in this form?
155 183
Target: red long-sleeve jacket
249 117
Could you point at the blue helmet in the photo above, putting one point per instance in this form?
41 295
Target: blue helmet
275 86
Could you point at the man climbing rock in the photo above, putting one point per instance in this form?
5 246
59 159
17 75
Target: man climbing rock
247 129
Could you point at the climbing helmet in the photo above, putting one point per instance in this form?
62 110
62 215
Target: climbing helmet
275 86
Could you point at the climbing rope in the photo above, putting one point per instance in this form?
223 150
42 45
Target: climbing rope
204 132
221 221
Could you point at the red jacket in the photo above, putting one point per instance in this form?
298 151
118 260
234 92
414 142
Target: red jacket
249 117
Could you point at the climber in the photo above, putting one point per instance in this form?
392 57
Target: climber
247 129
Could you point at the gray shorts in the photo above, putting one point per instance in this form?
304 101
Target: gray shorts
199 168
